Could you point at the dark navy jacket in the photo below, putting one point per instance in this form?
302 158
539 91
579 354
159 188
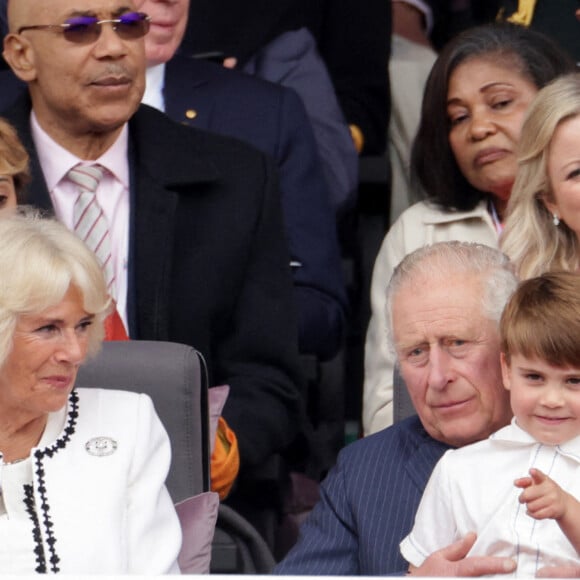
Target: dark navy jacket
367 506
273 119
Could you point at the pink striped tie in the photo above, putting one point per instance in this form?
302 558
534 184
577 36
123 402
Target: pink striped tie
90 223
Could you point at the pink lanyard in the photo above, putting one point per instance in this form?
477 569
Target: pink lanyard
494 217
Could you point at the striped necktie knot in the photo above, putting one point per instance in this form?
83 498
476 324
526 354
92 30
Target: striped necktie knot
86 177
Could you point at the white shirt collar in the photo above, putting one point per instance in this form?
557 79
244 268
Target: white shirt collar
155 83
56 161
514 434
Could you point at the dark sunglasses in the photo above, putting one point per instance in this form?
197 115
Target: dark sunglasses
87 29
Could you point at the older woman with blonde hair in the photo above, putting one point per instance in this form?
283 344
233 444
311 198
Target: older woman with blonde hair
542 230
82 471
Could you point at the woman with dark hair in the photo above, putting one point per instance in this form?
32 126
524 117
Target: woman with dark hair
464 161
436 156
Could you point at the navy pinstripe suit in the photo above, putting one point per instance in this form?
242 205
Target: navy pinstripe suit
367 506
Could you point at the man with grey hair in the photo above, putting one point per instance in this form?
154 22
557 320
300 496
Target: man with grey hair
443 305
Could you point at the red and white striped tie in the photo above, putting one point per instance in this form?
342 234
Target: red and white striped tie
90 223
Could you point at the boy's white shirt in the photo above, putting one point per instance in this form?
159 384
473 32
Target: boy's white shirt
472 489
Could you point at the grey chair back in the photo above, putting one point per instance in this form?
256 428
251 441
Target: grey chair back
402 405
174 376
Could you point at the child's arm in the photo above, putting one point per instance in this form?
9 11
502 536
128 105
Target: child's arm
544 498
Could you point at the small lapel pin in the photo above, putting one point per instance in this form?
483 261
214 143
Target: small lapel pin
101 446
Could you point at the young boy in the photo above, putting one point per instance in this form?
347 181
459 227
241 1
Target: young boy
534 519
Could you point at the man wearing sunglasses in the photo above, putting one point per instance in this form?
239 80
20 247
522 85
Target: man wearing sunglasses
194 222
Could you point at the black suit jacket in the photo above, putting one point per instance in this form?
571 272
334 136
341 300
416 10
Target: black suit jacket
209 267
272 118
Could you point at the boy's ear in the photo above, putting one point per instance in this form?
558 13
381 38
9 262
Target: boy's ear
505 371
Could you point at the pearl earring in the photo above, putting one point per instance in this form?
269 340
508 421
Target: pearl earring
556 219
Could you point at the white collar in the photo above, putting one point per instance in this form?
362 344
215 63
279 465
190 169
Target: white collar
56 161
513 434
154 85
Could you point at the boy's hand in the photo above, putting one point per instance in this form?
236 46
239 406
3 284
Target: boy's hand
543 497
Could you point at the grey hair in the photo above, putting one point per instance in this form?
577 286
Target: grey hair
39 261
439 261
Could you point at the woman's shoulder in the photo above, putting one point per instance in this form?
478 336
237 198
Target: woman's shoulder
407 232
426 223
112 396
429 212
113 406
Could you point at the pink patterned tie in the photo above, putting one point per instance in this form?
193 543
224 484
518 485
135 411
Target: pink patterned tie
90 223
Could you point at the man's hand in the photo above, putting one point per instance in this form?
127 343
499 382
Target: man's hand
452 561
559 572
543 497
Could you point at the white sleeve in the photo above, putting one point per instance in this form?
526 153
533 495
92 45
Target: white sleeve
434 526
154 532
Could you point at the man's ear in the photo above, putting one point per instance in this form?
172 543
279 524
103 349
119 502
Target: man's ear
505 371
19 55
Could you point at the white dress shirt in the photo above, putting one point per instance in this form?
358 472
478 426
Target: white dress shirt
112 194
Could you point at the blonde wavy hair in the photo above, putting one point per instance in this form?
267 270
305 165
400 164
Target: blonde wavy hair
14 159
530 238
39 261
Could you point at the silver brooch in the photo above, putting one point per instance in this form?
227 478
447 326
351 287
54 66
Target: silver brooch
101 446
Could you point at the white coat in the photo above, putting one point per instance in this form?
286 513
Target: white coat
98 492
